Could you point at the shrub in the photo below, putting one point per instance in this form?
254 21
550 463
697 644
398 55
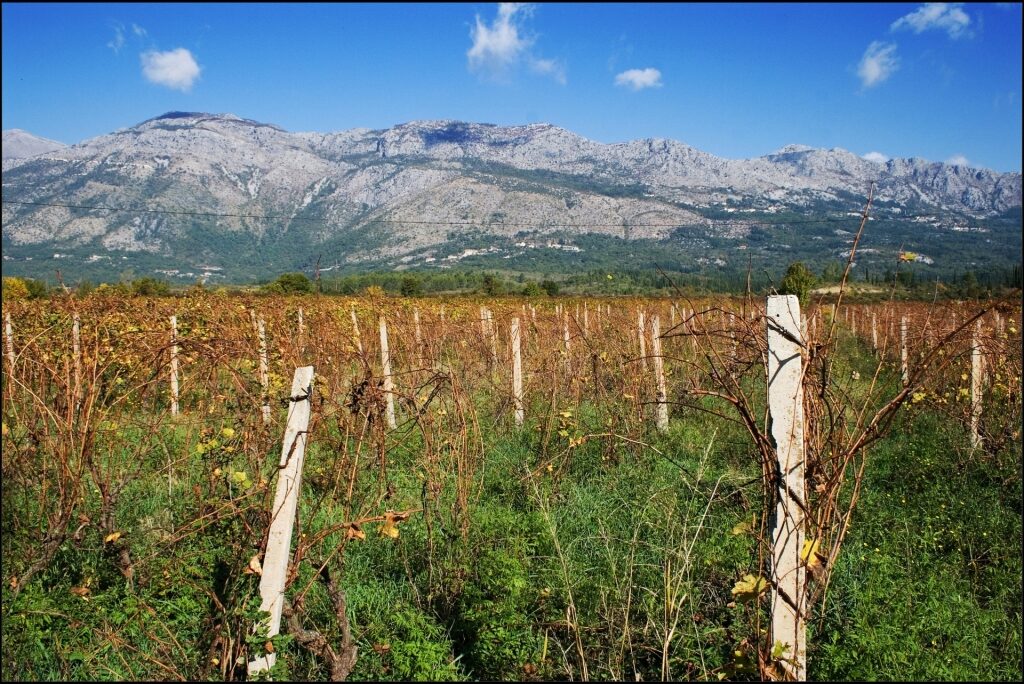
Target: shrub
292 283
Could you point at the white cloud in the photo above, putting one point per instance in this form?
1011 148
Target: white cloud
499 47
118 41
139 31
175 69
638 79
958 160
944 16
876 157
878 63
549 67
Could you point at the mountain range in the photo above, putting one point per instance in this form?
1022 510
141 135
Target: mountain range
187 195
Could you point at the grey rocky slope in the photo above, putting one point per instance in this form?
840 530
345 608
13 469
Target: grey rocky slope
18 144
409 189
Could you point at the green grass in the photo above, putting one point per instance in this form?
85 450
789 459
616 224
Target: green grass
618 558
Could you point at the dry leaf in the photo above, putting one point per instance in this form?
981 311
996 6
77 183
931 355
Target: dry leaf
112 537
81 591
391 520
254 567
354 532
269 646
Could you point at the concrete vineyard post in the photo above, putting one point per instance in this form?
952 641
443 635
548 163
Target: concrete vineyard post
419 336
785 404
174 365
389 385
76 348
976 385
661 416
642 334
286 500
565 340
9 340
874 332
264 369
355 331
903 351
302 337
493 330
517 373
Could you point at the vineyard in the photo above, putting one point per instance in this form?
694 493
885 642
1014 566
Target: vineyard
508 489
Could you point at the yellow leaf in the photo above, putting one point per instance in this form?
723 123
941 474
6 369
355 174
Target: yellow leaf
744 526
810 556
354 532
749 588
112 537
779 650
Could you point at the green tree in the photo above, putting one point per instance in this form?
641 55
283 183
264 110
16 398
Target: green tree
798 281
149 287
549 286
832 273
289 283
411 286
532 289
492 286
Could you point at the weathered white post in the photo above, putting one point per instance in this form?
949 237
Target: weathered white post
286 500
264 369
355 330
483 322
642 334
565 339
517 374
874 332
492 328
174 364
785 405
9 338
76 349
976 385
302 330
586 321
389 385
419 336
661 415
903 350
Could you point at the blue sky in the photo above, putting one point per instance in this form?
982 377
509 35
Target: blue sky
940 81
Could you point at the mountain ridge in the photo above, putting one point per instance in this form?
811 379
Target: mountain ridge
412 193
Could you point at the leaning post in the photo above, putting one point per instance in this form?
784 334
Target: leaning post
785 405
286 501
